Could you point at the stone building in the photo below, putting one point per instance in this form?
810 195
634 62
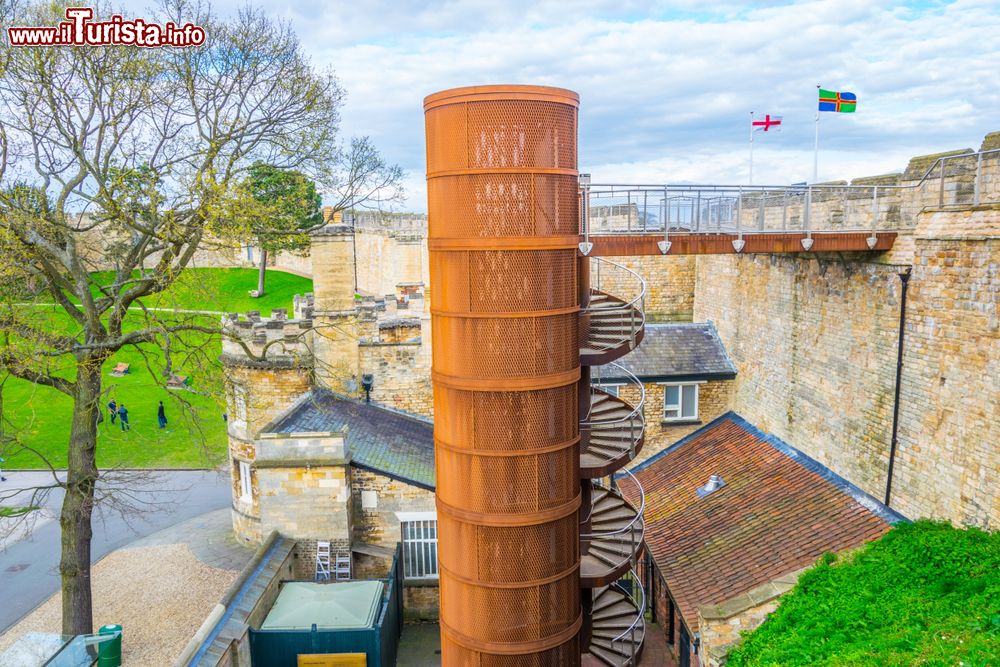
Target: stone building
724 551
804 346
686 376
309 458
815 339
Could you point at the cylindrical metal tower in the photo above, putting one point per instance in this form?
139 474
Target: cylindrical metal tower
503 204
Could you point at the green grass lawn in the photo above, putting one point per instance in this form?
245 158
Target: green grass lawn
925 594
196 433
225 290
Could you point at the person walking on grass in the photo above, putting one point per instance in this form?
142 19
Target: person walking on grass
113 410
161 415
2 461
123 417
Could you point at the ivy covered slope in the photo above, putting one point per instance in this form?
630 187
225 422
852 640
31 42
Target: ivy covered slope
924 594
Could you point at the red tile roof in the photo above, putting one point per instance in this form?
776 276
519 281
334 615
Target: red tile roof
779 511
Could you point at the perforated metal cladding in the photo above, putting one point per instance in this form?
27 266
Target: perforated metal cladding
546 481
505 205
502 197
480 420
453 653
506 347
501 134
517 615
503 281
510 553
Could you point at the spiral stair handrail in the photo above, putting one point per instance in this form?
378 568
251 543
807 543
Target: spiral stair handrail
630 380
631 524
638 597
631 310
596 272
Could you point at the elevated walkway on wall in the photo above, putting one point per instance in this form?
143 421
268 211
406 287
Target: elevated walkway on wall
865 216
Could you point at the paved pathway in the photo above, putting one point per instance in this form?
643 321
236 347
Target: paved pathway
29 566
420 646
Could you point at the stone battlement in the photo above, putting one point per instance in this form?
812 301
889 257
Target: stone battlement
885 202
272 341
397 225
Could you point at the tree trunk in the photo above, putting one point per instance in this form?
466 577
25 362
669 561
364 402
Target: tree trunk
78 504
262 273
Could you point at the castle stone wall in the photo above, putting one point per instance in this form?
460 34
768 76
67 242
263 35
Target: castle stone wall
669 284
402 375
948 462
380 525
815 339
305 502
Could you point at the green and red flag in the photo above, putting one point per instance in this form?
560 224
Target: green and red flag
831 100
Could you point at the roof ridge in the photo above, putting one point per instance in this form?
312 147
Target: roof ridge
376 406
866 500
270 426
845 486
683 441
722 346
679 325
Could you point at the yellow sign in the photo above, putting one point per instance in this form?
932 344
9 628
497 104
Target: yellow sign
333 660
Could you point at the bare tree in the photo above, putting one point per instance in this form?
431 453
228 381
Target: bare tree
127 158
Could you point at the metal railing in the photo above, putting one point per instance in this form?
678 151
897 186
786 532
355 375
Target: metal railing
636 594
635 422
635 537
625 318
892 204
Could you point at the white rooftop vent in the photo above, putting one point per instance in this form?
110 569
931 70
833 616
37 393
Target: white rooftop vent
715 482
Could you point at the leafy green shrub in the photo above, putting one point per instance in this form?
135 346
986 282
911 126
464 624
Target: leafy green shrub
926 593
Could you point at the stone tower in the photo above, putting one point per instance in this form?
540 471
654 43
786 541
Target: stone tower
268 366
335 315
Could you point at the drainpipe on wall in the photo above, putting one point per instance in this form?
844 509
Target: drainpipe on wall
904 277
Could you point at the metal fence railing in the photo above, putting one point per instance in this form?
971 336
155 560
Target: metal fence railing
631 637
886 203
608 325
634 423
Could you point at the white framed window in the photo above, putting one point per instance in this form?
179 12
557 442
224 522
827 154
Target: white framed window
420 549
612 389
680 402
246 488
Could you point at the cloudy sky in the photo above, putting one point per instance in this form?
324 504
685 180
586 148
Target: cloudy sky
666 87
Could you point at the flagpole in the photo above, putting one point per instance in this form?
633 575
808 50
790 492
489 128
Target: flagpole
816 145
751 148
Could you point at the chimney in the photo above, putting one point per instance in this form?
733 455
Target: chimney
714 483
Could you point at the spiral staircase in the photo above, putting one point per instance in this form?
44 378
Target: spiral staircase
612 432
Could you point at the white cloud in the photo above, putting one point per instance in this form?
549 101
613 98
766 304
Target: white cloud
666 87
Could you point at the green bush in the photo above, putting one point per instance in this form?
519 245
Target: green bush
926 593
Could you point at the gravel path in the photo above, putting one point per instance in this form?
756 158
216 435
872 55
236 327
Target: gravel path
159 594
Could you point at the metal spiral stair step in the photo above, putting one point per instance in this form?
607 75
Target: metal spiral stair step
613 615
609 511
611 539
610 404
612 433
618 323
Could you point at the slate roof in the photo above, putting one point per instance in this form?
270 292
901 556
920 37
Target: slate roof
678 351
382 440
778 512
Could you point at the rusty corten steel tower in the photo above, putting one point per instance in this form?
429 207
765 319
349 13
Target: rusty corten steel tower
504 227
